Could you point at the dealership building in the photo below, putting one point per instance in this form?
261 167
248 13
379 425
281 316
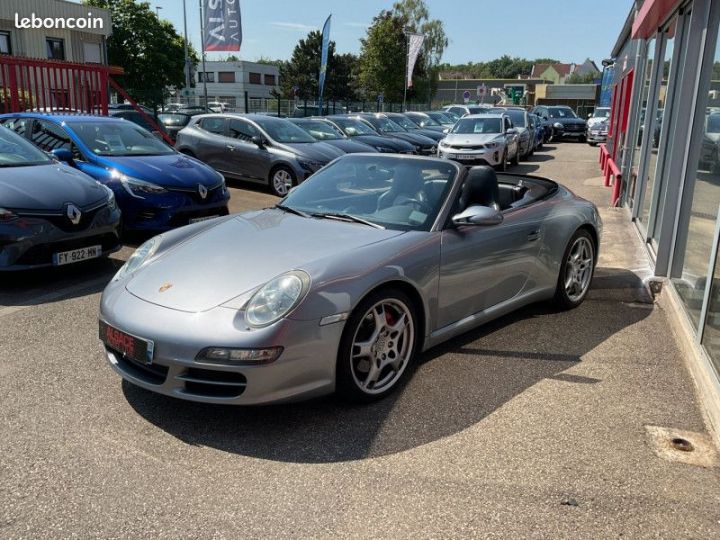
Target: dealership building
664 151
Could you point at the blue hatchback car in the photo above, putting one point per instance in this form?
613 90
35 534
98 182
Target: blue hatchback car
156 187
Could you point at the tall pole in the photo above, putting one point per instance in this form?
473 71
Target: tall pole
202 48
187 56
407 59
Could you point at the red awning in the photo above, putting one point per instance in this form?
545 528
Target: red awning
651 15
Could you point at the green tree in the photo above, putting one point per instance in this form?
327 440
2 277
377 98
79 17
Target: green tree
585 78
382 58
150 51
303 70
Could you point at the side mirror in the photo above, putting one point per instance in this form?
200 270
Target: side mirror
511 131
65 155
258 140
478 215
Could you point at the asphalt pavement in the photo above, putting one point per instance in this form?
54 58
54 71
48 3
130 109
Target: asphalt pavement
531 426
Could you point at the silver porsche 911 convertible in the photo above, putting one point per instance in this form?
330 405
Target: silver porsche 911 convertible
342 284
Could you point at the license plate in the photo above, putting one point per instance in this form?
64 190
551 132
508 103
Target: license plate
139 349
77 255
199 219
466 156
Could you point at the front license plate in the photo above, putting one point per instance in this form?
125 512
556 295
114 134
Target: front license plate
77 255
139 349
467 156
199 219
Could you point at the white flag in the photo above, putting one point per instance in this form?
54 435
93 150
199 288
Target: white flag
416 41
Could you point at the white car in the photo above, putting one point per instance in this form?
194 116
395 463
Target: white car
597 126
482 139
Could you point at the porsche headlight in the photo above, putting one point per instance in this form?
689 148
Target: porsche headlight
139 258
276 298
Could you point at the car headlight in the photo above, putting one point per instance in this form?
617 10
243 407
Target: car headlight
139 258
276 298
240 357
557 125
136 187
310 166
6 215
491 145
111 202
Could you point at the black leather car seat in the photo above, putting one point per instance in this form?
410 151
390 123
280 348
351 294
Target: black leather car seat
480 189
407 182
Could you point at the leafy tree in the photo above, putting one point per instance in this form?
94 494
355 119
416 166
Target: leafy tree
303 70
505 67
150 51
577 78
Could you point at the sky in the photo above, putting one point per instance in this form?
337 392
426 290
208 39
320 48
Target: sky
479 30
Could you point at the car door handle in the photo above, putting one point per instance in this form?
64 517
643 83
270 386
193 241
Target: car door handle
533 236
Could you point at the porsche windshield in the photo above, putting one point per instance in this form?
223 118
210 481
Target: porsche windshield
394 192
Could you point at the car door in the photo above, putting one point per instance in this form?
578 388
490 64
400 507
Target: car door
512 138
247 159
483 266
210 147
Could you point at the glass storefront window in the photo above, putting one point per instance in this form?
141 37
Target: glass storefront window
655 124
643 103
696 241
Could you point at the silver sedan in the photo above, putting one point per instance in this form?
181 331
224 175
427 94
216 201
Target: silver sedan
340 286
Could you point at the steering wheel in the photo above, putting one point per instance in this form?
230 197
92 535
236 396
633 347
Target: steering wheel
421 205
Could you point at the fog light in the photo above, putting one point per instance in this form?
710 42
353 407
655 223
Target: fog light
247 357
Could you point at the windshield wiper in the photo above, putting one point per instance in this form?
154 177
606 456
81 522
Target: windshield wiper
291 210
346 217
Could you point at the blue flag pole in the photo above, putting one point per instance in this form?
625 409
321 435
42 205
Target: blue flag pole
323 61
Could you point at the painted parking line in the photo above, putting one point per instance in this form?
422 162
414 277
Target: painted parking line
52 296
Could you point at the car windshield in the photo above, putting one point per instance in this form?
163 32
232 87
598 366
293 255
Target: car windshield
713 123
602 112
320 130
283 131
119 138
405 122
394 192
517 117
174 119
352 126
444 119
425 120
384 125
477 125
476 110
15 151
562 112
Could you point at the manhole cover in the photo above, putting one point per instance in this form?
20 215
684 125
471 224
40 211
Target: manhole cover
683 446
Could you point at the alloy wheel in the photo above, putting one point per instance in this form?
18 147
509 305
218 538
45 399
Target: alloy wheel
382 346
282 182
579 269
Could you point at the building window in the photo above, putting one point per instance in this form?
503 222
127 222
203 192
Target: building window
5 47
226 76
255 78
92 53
55 48
270 79
208 76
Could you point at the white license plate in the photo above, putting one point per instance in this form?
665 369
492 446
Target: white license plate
467 156
199 219
77 255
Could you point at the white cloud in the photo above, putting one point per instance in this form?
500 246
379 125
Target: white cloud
293 26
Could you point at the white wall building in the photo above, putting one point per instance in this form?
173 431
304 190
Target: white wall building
228 81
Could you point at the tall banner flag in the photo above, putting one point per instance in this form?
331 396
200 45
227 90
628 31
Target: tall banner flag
416 41
222 28
324 60
606 86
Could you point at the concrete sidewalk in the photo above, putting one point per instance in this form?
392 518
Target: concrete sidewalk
534 426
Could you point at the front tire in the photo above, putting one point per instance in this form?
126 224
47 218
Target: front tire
576 270
379 343
516 160
502 166
281 180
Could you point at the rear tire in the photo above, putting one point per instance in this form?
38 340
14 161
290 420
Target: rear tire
378 346
576 270
502 167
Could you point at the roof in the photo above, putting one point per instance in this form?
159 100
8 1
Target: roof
562 69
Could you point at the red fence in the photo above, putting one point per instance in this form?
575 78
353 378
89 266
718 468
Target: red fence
57 86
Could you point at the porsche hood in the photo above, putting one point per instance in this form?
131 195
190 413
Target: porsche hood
243 253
